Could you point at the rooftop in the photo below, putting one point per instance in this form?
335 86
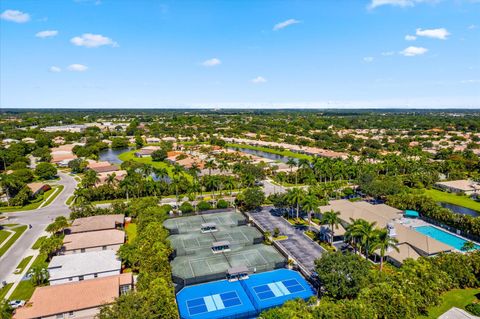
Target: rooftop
81 264
93 239
59 299
99 222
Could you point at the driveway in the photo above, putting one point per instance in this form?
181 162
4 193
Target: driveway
298 245
39 219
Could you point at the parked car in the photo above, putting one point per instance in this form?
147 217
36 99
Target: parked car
16 303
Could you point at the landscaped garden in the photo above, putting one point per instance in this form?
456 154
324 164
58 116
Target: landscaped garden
18 231
454 298
460 200
45 199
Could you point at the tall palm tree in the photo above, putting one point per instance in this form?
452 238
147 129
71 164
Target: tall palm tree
292 163
111 179
366 234
331 218
210 164
224 166
383 242
229 185
310 203
295 197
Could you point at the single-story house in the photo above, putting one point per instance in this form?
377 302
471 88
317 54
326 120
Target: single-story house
96 223
82 299
38 188
93 241
460 186
119 176
77 267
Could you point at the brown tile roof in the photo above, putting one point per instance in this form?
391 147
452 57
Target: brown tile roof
63 156
58 299
99 222
93 164
421 242
35 187
93 239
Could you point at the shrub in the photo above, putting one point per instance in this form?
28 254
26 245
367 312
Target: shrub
186 207
473 308
222 204
203 205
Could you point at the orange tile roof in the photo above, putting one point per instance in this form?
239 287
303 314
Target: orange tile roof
58 299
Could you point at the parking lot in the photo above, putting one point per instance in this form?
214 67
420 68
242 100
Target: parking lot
304 250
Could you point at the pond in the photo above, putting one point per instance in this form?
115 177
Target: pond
460 209
270 156
111 155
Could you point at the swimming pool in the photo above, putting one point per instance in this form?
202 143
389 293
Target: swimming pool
443 236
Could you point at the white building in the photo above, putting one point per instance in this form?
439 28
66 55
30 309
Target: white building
78 267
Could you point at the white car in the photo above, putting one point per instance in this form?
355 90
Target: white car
16 303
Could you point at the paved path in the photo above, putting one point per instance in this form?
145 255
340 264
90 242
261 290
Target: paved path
39 219
298 245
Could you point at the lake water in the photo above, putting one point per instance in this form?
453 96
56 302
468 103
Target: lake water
460 209
111 155
271 156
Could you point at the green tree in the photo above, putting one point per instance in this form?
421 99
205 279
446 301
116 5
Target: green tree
342 275
38 274
45 170
383 242
159 155
332 219
250 199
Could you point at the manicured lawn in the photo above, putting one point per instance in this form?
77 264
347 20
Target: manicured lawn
18 232
4 290
50 200
271 150
25 288
36 204
450 198
21 266
37 244
3 235
130 155
131 230
70 200
454 298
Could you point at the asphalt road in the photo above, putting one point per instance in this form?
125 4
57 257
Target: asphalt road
39 219
304 250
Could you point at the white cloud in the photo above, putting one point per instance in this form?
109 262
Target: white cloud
46 34
77 67
469 81
15 16
211 62
397 3
285 24
368 59
409 37
259 80
413 51
55 69
440 33
472 27
388 53
90 40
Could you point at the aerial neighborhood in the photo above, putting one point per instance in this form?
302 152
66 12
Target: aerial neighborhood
166 215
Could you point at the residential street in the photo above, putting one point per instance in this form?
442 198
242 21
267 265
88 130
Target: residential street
39 219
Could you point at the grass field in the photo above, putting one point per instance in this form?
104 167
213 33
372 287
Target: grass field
130 155
18 232
36 204
131 231
25 288
271 150
3 235
70 200
21 266
37 244
454 298
450 198
4 290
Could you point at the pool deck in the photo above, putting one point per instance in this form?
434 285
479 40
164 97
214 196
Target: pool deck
414 223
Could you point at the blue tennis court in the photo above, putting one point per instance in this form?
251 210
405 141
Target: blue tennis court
242 299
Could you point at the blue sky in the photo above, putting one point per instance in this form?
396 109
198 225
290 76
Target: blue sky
232 53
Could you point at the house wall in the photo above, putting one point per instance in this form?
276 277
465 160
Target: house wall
85 277
79 314
78 251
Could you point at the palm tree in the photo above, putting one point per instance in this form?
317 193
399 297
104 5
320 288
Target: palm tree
383 242
224 166
295 196
38 274
230 185
331 218
468 245
111 179
210 164
90 178
365 232
310 204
